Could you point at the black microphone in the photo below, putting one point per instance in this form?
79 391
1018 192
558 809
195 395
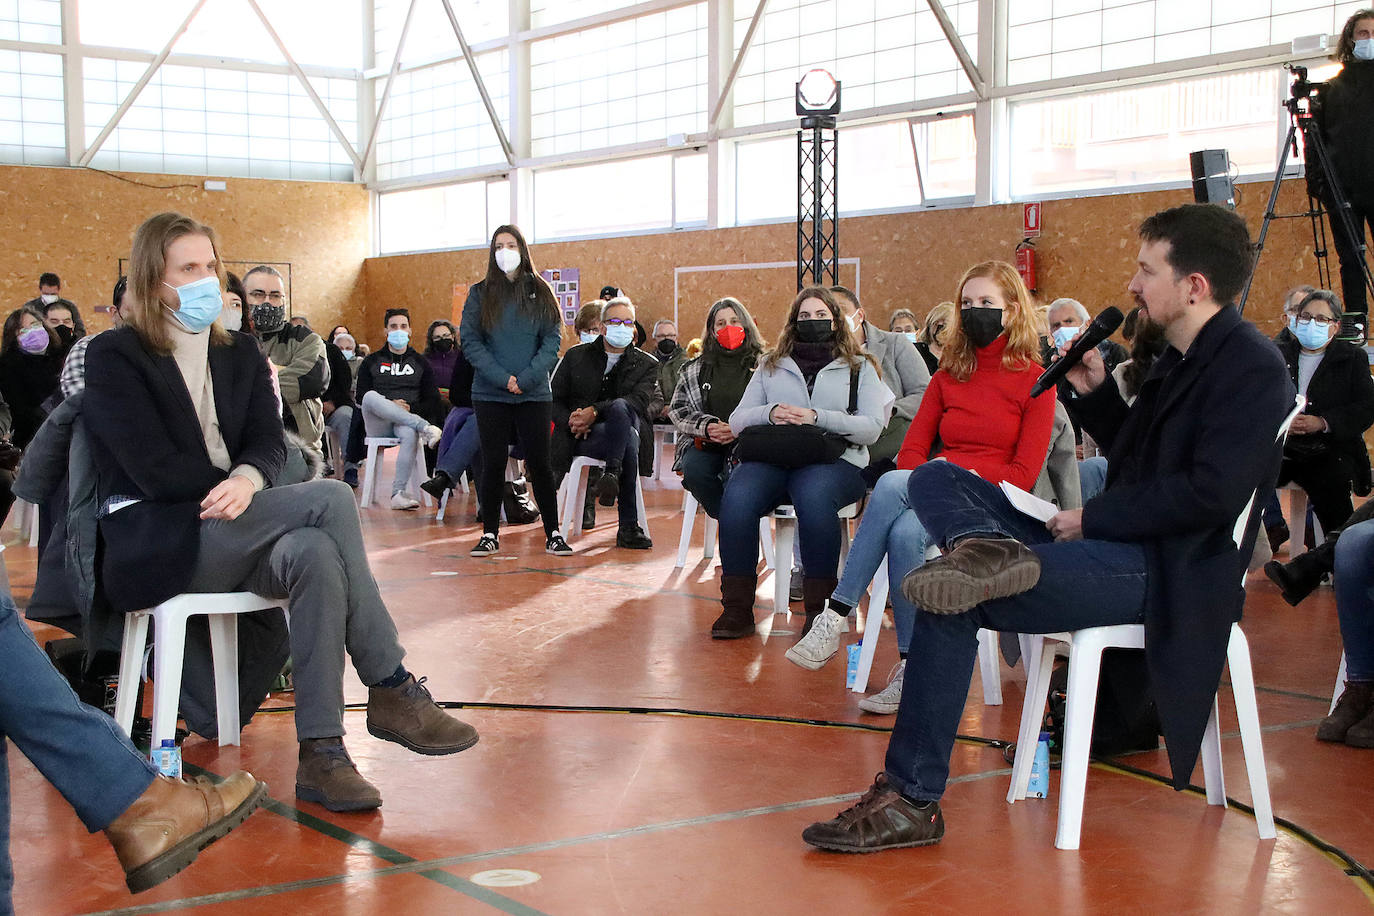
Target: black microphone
1099 330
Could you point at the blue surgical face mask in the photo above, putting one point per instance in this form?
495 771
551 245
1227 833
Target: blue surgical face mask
910 335
347 354
1364 49
1311 335
589 336
201 303
619 335
1293 325
1064 336
398 340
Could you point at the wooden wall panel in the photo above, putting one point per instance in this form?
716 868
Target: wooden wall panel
79 223
907 260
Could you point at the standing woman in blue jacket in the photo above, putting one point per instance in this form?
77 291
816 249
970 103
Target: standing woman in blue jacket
510 334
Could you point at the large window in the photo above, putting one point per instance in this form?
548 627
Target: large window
202 121
627 196
1143 135
1049 39
431 33
32 114
32 20
435 121
884 52
638 80
453 216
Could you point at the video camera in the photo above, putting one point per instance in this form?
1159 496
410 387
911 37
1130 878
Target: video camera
1302 88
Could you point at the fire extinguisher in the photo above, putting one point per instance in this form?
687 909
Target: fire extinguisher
1025 262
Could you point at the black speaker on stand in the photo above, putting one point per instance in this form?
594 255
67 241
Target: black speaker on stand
1212 178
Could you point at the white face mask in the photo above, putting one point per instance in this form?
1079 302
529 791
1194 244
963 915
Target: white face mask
508 259
231 318
1364 49
49 298
589 336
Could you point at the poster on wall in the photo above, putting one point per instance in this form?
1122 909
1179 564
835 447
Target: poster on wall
564 282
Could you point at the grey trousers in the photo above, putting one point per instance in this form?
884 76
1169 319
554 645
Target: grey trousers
303 542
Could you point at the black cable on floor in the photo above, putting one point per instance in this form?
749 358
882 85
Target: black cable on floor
1353 867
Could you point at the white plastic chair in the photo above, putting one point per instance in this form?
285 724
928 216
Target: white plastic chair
988 662
664 434
1340 686
1085 659
1297 521
169 647
573 495
785 524
26 521
708 547
376 445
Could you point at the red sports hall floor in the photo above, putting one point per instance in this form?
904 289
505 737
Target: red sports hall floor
633 813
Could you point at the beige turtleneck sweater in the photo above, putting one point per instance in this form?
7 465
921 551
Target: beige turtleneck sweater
192 355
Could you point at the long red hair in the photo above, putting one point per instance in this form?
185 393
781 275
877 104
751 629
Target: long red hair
1023 334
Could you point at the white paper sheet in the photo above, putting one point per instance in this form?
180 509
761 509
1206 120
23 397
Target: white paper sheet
1029 503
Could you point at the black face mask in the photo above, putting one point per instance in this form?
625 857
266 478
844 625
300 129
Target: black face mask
443 344
65 335
981 325
667 346
815 330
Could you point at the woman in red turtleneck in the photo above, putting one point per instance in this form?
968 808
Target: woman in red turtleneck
977 413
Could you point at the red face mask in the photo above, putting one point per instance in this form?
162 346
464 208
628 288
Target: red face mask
731 337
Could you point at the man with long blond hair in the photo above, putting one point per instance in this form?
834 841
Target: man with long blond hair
1157 546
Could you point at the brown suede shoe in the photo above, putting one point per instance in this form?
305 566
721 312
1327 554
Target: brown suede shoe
407 715
881 819
164 830
1355 705
325 775
975 571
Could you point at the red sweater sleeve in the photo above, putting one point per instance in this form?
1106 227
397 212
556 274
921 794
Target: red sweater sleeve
920 436
1033 442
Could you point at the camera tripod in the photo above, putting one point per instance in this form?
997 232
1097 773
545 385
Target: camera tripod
1320 179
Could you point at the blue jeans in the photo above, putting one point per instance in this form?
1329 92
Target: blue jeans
1273 510
1355 599
460 446
341 421
703 475
614 439
1082 584
1092 477
77 749
889 528
817 492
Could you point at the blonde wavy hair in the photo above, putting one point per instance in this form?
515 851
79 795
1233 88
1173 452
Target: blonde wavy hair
846 346
1019 320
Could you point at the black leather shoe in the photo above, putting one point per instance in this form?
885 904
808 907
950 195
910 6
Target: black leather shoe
633 539
1278 535
438 485
881 819
1299 577
589 515
976 570
608 488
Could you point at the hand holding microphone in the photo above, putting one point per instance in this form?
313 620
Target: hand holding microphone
1081 363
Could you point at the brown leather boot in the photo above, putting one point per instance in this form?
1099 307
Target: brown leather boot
814 592
1355 704
325 775
164 830
737 599
976 570
408 716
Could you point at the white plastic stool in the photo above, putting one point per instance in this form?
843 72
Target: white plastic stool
708 548
169 647
785 523
1340 686
1085 659
1297 521
573 495
372 472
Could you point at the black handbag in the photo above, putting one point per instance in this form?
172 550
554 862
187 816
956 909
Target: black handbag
789 446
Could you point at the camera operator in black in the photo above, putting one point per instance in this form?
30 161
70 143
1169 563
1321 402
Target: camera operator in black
1346 103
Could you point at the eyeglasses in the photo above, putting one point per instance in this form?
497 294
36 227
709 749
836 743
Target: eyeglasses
623 322
1322 320
276 298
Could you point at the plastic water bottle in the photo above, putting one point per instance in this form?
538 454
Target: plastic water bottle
852 671
167 759
1039 786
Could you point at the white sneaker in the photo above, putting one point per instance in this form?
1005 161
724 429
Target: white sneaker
822 642
432 435
886 701
404 500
